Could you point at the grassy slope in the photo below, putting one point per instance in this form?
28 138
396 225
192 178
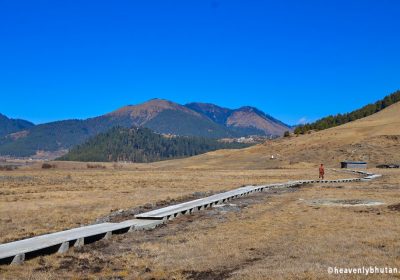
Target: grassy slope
375 139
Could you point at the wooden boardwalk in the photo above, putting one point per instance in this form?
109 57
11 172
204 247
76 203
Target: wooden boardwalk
16 252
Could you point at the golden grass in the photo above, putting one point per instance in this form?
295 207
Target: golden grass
278 237
35 201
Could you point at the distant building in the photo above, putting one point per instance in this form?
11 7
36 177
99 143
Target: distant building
353 164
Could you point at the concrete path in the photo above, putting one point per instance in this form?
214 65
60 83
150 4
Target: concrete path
17 252
174 211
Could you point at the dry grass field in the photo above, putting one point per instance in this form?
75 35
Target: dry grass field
280 235
35 201
288 234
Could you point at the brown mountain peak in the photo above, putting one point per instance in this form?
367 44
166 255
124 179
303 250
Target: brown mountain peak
148 110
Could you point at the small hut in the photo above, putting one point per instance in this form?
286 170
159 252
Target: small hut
353 164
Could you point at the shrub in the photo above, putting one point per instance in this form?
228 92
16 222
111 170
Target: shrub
286 134
95 166
8 167
117 166
48 166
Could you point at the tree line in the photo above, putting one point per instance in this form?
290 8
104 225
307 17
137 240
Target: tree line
339 119
142 145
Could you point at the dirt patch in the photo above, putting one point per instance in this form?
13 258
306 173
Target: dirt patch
120 215
208 274
227 272
223 208
369 210
81 264
344 202
394 207
215 216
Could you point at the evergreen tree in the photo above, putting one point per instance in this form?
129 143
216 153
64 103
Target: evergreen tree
142 145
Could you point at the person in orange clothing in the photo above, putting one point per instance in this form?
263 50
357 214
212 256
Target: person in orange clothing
322 171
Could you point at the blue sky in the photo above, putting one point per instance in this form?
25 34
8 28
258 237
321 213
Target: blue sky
291 59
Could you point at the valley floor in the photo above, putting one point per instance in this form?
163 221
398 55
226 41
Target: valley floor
275 235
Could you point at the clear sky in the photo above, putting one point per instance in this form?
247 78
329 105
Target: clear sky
291 59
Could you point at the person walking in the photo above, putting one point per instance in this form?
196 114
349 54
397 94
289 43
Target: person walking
322 171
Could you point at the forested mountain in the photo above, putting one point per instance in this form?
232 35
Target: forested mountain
245 120
8 126
216 113
339 119
22 139
162 116
167 117
142 145
54 136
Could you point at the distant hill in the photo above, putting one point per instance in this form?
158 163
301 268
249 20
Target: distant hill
245 120
8 126
167 117
162 116
142 145
339 119
374 139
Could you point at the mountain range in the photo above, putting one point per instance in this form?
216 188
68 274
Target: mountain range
374 139
161 116
8 126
